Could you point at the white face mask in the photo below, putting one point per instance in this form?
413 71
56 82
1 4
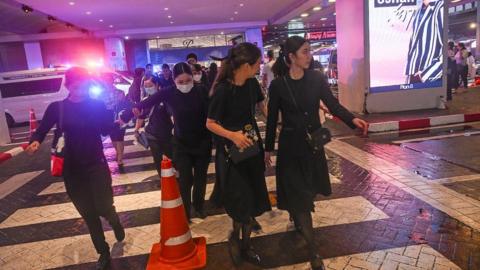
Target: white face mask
150 90
185 88
197 77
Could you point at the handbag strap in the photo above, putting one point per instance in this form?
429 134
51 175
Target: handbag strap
295 102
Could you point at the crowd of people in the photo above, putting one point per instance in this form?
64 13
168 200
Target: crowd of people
460 67
186 112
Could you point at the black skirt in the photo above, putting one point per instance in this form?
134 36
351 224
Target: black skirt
245 192
300 179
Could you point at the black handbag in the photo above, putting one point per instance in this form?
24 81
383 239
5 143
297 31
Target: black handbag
238 155
316 139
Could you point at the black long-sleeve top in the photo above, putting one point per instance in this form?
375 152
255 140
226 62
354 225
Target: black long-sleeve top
83 124
160 124
189 112
308 92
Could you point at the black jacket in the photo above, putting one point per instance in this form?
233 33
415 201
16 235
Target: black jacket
314 88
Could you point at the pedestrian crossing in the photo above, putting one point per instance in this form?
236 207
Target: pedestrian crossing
140 239
77 249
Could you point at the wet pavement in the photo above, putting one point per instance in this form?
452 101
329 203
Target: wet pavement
400 201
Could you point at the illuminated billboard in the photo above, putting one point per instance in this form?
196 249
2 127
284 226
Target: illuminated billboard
405 44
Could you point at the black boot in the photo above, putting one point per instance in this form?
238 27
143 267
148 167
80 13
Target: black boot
119 232
248 253
256 227
234 244
304 224
104 261
114 221
316 263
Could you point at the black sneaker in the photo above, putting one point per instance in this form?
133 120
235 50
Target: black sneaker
234 250
121 168
251 256
104 261
119 232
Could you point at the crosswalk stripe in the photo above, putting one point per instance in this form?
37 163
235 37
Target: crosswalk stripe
15 182
123 203
140 239
117 180
410 257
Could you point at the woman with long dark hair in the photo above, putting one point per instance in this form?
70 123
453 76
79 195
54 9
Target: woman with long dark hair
301 170
231 117
192 143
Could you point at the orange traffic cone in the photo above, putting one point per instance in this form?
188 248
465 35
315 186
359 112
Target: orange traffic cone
177 249
33 122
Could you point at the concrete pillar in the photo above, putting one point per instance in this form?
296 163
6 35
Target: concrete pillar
254 35
115 54
4 131
33 53
351 59
477 49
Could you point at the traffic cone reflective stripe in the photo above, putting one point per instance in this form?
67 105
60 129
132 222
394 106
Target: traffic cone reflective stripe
172 203
168 172
177 249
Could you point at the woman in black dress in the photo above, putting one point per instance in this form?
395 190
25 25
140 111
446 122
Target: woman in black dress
230 116
301 173
192 143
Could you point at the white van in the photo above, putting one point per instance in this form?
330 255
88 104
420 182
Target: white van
30 89
35 89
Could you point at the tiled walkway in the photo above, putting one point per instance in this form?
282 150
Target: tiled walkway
380 216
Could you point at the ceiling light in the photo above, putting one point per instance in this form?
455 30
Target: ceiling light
303 15
101 20
27 9
293 20
197 37
473 25
334 14
158 36
127 37
317 8
235 12
221 33
169 16
71 3
88 12
171 22
165 9
331 1
323 19
241 4
111 26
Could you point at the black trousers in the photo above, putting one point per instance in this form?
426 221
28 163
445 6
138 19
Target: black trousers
90 189
158 149
192 163
463 74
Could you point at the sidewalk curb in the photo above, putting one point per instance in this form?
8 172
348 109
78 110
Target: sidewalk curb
12 152
423 122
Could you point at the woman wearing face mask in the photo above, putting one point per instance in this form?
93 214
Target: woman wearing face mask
192 143
301 171
231 117
199 76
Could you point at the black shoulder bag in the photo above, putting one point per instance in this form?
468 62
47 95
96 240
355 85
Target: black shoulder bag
236 154
316 139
